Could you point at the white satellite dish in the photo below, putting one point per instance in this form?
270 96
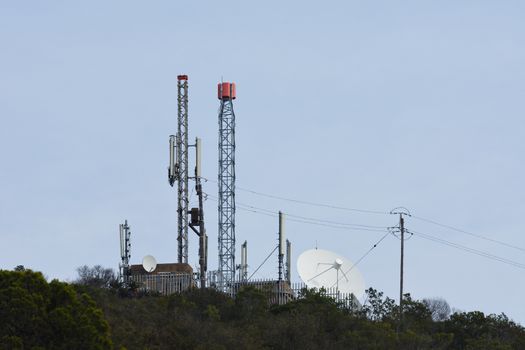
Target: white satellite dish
149 263
320 268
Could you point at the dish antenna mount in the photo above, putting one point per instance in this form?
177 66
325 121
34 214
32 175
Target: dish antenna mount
149 263
320 268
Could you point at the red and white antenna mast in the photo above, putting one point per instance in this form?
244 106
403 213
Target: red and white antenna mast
226 270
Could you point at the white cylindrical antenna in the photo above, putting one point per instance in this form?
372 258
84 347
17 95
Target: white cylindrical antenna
288 261
281 233
206 252
198 157
244 260
242 257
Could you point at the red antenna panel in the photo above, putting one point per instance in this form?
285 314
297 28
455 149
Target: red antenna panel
226 91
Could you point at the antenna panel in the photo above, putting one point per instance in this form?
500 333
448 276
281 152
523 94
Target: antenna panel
281 233
198 156
172 169
122 242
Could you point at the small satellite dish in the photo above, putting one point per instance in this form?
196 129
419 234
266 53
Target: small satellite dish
320 268
149 263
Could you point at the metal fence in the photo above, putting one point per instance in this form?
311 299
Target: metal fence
163 283
277 292
282 292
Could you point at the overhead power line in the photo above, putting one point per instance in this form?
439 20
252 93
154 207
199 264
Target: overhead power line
315 204
477 235
348 226
363 256
468 249
308 220
412 232
508 245
314 219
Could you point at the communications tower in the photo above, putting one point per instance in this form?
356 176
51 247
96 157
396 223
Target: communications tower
226 183
178 168
125 254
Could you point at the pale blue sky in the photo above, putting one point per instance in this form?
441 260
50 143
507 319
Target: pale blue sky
371 105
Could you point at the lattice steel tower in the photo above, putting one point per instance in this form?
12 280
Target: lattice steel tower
178 169
226 272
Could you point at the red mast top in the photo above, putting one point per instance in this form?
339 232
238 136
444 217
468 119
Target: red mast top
226 91
182 77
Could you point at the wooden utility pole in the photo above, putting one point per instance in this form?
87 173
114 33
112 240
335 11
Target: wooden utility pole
401 211
402 232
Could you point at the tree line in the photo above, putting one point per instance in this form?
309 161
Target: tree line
96 312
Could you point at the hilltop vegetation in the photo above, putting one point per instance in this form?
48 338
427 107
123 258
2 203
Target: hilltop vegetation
35 314
97 314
